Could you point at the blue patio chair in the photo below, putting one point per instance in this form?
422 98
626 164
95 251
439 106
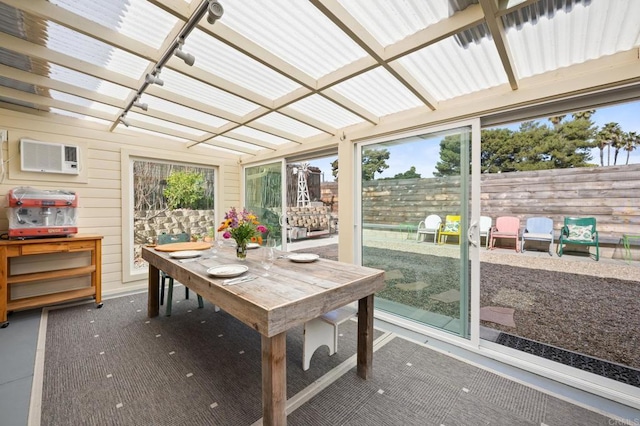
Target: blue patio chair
538 229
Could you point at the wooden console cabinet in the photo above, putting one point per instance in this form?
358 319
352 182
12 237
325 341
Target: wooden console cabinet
30 247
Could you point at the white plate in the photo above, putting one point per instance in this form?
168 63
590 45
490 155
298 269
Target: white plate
185 254
253 245
303 257
227 271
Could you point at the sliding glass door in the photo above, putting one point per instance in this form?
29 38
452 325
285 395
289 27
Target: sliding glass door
263 195
415 222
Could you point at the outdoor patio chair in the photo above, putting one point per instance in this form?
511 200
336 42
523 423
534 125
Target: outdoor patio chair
430 225
579 231
167 239
538 229
507 227
485 229
450 227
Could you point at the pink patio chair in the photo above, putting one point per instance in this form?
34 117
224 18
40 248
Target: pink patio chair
506 227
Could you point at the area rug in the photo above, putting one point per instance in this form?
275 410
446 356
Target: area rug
116 366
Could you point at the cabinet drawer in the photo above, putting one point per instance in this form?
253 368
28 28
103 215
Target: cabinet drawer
44 248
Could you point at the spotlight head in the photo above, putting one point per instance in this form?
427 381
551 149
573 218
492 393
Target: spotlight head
188 58
215 11
142 106
124 121
152 79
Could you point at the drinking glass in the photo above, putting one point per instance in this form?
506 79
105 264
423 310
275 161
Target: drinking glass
268 257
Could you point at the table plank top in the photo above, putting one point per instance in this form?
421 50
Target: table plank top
292 293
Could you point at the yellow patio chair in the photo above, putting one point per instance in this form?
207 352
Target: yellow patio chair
450 227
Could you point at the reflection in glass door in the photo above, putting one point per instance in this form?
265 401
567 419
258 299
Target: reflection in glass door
263 195
414 225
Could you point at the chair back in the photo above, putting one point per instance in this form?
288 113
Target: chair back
508 224
173 238
451 224
539 225
432 221
574 226
485 225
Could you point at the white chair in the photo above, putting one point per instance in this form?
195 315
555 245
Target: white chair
485 229
322 331
430 225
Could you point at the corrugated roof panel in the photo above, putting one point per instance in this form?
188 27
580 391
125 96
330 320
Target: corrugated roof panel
76 100
390 22
166 124
324 110
66 75
217 148
237 143
260 135
18 85
289 125
79 116
17 102
295 31
379 92
79 46
150 132
218 58
181 111
549 35
187 86
137 19
448 69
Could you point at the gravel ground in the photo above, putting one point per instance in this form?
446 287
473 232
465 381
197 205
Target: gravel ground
572 302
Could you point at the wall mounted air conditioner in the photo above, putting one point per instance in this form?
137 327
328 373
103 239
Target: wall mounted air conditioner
48 157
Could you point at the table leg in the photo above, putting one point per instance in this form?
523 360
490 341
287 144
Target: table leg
274 380
365 337
153 298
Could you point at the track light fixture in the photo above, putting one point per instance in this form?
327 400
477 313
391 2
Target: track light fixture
154 79
215 11
124 120
188 58
142 106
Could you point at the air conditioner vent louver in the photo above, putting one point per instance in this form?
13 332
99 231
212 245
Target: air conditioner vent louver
47 157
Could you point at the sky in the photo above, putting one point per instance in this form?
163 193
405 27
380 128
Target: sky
425 156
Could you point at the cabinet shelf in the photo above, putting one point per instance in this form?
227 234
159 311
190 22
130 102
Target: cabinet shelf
51 275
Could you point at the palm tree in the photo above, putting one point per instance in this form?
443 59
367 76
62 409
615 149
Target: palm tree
611 134
631 142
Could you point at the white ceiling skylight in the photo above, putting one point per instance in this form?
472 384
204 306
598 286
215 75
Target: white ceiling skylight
324 110
166 124
289 125
87 82
259 135
76 100
295 31
181 111
378 92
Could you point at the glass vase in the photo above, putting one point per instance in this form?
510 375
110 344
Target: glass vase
241 250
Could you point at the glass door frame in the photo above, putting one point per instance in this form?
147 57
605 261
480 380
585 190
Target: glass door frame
472 231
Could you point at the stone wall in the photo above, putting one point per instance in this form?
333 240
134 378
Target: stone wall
150 223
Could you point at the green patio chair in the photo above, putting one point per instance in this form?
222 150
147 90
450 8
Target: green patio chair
580 231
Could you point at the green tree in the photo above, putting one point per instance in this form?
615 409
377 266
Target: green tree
610 135
409 174
631 142
373 161
185 189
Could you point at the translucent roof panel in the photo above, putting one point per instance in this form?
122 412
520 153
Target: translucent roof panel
217 148
549 35
324 110
137 19
181 111
79 116
18 85
448 68
76 100
79 46
196 90
166 124
66 75
260 135
220 59
390 21
295 31
152 133
289 125
237 143
379 92
17 102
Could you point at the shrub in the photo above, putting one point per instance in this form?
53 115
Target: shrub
185 190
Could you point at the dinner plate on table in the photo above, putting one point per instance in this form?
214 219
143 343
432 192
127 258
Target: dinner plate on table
303 257
227 271
185 254
253 245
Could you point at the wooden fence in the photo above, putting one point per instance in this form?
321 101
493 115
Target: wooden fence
610 194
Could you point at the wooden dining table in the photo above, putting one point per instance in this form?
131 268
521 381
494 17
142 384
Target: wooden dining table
290 295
